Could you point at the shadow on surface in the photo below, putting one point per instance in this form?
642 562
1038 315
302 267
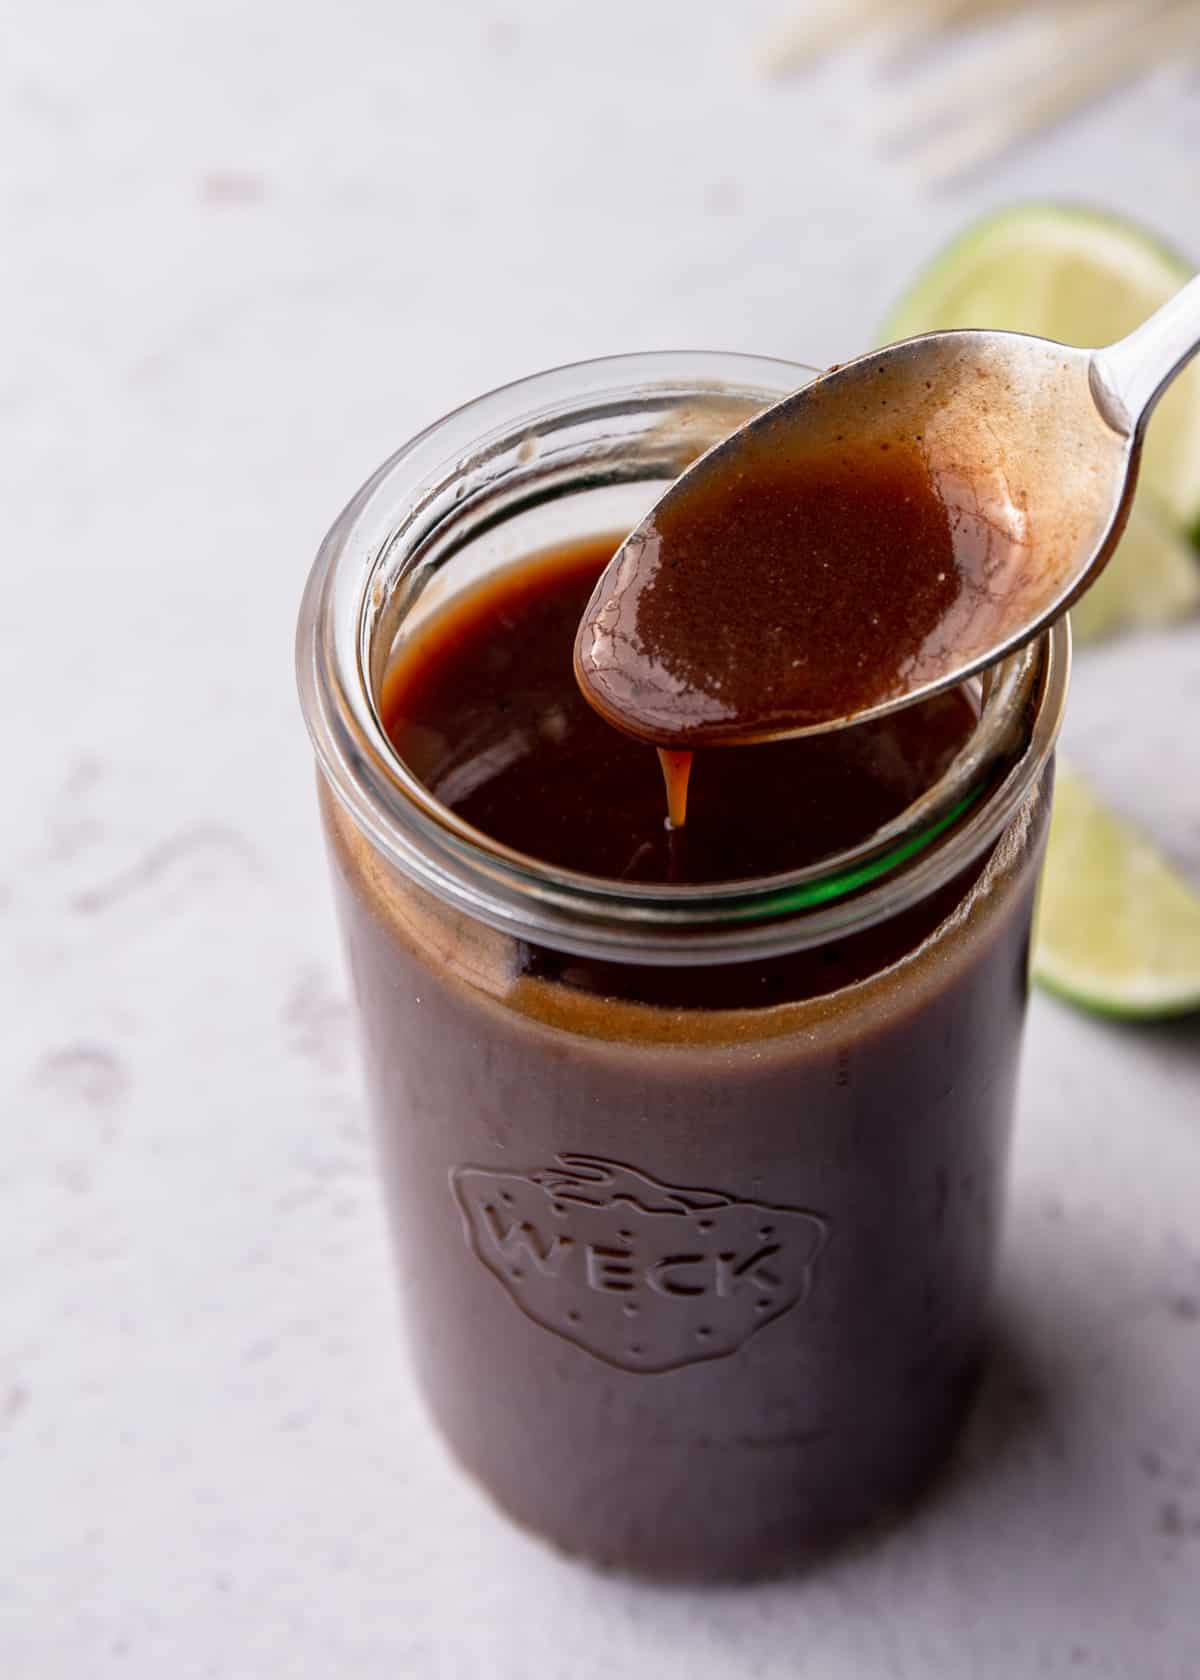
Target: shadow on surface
1013 1418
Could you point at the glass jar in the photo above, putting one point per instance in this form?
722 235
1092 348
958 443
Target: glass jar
695 1191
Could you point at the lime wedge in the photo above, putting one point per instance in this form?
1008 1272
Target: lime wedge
1118 929
1153 578
1080 277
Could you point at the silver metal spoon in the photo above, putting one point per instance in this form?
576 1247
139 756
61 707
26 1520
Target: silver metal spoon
1027 452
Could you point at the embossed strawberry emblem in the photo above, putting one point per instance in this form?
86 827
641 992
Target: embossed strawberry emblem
645 1275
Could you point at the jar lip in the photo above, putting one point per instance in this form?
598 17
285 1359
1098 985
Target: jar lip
517 894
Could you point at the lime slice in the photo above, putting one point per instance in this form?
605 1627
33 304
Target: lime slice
1118 929
1082 278
1153 578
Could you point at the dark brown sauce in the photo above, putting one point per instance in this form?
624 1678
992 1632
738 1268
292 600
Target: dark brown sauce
799 575
483 707
573 1146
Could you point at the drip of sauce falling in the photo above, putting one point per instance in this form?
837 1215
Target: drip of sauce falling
677 772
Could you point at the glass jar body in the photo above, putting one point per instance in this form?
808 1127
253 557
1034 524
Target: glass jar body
695 1196
692 1295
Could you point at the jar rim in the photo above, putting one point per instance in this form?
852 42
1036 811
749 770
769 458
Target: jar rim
350 589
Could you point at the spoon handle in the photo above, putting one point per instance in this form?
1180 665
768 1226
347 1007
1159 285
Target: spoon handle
1128 377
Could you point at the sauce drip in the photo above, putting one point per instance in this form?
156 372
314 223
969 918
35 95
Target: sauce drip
677 773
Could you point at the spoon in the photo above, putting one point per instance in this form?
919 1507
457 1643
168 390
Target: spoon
878 536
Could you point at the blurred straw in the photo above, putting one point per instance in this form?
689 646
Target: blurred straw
794 45
1042 62
928 24
990 111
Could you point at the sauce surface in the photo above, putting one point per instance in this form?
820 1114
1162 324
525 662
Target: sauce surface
483 707
872 535
753 600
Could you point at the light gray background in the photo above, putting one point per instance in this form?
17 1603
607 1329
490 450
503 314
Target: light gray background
247 249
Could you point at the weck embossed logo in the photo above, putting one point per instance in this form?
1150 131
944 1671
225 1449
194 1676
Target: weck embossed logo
645 1275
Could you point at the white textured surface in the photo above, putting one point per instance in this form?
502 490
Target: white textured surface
247 250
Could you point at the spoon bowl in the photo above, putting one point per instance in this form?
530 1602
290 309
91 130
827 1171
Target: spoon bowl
884 533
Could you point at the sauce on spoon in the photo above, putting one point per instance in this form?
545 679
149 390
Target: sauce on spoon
846 550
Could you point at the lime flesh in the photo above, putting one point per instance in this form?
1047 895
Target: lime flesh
1118 929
